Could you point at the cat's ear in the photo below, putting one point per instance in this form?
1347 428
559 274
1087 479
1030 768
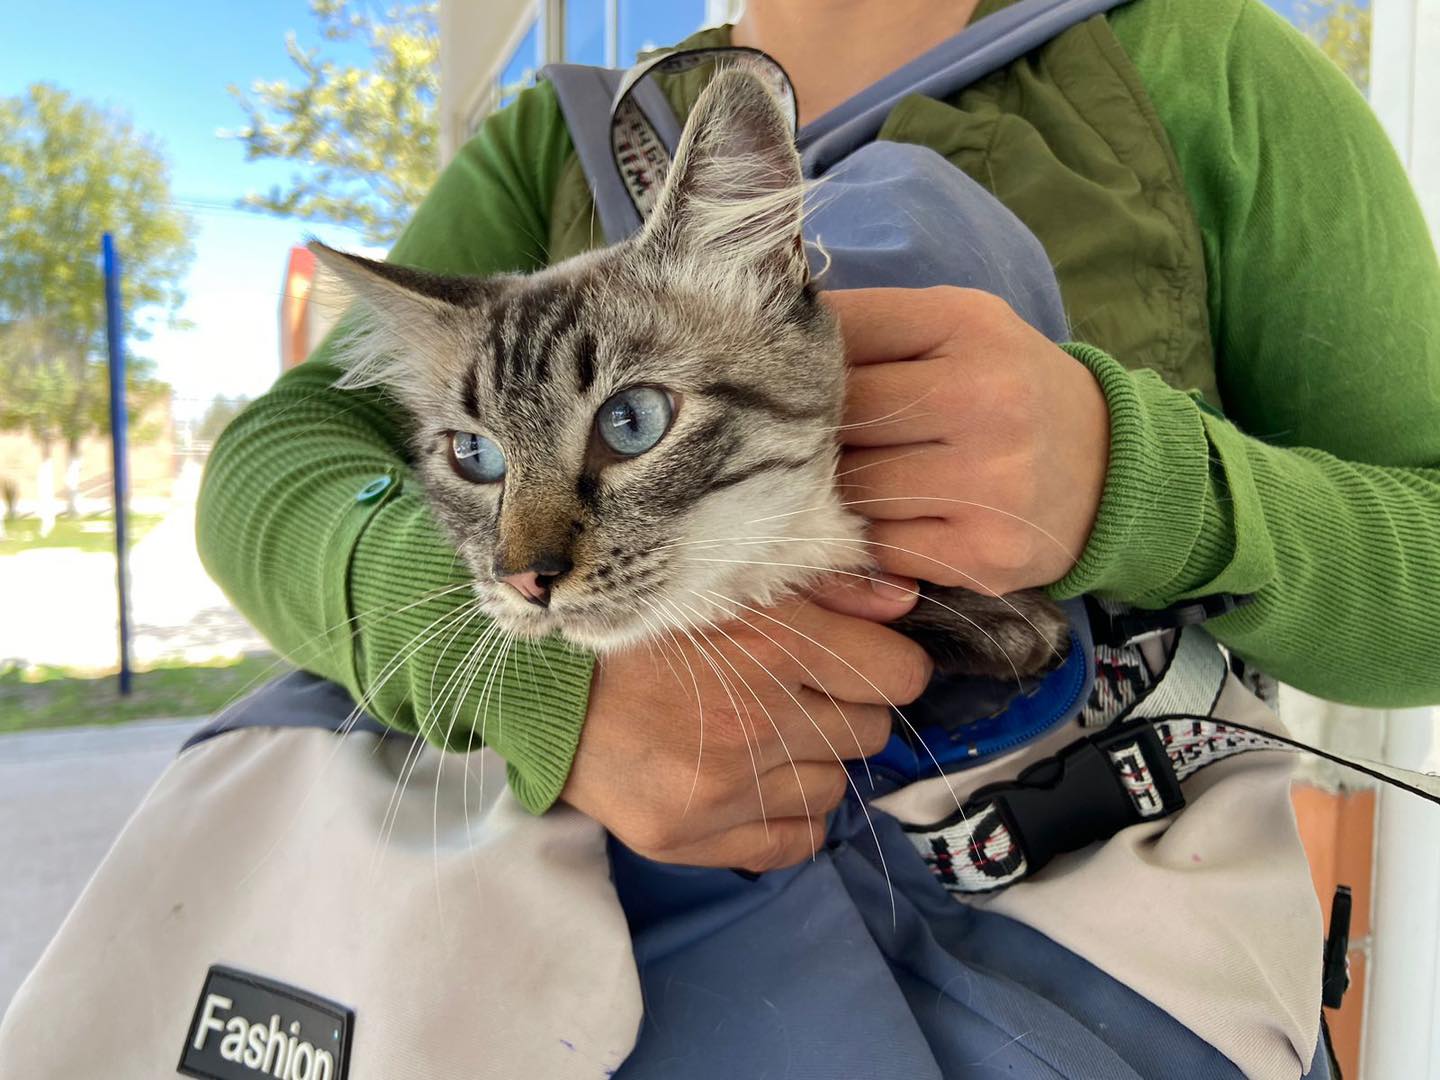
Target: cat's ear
733 202
403 317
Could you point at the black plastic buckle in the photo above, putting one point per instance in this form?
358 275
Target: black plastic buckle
1129 627
1076 798
1336 972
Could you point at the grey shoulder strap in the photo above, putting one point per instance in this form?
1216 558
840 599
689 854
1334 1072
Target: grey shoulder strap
586 96
649 132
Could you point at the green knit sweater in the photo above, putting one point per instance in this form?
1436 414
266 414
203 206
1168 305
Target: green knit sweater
1318 491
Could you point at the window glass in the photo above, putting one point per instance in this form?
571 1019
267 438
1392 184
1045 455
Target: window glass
1341 29
585 32
647 24
519 71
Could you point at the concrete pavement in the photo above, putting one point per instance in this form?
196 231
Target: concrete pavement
64 796
66 600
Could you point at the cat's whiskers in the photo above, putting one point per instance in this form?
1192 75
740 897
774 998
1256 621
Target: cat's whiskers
819 685
482 707
875 464
348 723
320 638
498 641
795 769
417 744
345 725
894 708
931 498
662 632
738 707
469 664
491 635
849 541
870 577
893 416
849 779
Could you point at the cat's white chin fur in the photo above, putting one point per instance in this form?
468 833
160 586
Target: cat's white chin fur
738 569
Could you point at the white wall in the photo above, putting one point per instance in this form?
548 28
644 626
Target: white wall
1405 91
474 36
1402 1013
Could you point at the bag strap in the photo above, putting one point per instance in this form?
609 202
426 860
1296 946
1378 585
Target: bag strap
296 699
625 132
1127 774
981 49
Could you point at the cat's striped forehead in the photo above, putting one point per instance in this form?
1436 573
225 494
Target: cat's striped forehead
533 335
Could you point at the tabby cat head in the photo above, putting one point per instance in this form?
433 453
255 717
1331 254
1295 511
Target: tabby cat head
642 436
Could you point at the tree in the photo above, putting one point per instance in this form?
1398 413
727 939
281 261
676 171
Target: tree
1342 31
69 172
369 136
218 416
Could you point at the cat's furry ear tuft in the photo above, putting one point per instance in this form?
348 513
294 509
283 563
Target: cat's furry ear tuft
734 199
400 315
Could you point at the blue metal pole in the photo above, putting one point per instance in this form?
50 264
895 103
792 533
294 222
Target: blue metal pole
114 333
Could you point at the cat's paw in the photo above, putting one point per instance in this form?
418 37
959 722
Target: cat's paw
1005 637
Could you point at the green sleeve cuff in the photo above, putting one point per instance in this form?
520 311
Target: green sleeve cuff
458 683
1160 531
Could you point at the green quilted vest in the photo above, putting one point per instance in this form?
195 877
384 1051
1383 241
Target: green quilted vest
1067 139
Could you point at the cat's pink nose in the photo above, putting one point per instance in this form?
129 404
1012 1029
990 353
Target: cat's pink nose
532 586
536 580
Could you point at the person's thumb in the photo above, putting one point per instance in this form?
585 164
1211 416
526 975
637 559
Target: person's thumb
877 597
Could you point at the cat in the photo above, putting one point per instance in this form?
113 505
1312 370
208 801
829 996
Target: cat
644 436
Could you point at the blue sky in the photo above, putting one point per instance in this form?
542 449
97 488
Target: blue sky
167 64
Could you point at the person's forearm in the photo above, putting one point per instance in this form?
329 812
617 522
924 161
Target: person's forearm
310 522
279 494
1343 559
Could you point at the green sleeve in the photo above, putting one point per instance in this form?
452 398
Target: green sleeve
311 521
1319 492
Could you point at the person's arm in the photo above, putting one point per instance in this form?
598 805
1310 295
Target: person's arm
310 521
1320 492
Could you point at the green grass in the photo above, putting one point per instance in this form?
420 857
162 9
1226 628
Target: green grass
93 533
48 697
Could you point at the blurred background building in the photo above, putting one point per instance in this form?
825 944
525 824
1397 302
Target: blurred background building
490 51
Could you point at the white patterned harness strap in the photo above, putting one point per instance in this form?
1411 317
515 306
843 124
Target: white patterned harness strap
1124 775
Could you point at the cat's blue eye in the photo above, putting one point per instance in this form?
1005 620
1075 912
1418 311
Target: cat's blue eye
634 420
476 458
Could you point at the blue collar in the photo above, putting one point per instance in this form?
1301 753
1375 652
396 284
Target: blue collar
932 737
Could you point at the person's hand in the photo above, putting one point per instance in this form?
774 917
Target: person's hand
976 446
738 769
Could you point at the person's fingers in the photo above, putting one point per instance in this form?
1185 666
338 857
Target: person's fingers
905 547
892 324
822 729
808 789
794 724
853 660
755 846
875 596
897 483
895 404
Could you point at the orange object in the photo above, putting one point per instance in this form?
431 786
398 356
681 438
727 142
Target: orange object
1338 830
295 315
